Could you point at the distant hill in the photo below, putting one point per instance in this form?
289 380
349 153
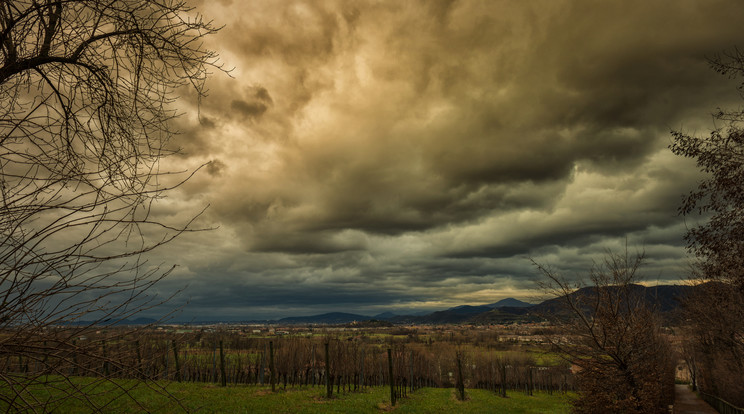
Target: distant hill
384 316
326 318
510 302
665 298
457 314
504 316
372 323
466 310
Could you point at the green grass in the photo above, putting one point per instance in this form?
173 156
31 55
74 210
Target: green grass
545 358
207 398
442 400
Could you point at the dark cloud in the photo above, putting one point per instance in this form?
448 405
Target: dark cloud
260 100
251 110
215 167
598 103
207 122
436 144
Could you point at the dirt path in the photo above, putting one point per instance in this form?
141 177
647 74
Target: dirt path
686 402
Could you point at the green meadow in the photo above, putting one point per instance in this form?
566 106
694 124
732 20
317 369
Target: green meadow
173 397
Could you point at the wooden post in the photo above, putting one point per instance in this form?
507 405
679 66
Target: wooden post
329 386
214 363
140 369
165 360
361 376
503 379
272 376
262 374
381 376
410 373
392 379
106 371
175 358
223 381
239 370
74 358
313 372
460 383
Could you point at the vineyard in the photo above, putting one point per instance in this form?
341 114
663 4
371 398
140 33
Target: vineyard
336 360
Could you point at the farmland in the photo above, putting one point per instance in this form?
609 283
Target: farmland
209 398
311 369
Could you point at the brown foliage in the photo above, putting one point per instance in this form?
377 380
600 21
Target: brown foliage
716 313
715 346
613 339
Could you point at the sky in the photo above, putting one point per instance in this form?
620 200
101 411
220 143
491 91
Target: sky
373 156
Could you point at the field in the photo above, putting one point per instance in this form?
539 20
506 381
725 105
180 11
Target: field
291 369
208 398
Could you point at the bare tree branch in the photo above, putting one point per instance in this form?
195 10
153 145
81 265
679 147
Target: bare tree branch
86 88
613 337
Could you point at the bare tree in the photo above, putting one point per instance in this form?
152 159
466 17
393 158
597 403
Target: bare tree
714 338
86 93
612 336
716 310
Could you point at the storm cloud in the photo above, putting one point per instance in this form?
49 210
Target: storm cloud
374 155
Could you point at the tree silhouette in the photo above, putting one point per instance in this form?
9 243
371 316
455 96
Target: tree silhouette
86 94
716 311
612 336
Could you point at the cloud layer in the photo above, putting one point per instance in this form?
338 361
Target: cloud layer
376 155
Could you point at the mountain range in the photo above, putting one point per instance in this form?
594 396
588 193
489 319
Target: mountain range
665 298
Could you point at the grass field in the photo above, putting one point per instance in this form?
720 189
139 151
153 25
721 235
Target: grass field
207 398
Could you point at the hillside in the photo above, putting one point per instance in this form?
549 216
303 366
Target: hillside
666 298
511 303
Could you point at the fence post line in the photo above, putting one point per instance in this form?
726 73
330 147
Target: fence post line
721 405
